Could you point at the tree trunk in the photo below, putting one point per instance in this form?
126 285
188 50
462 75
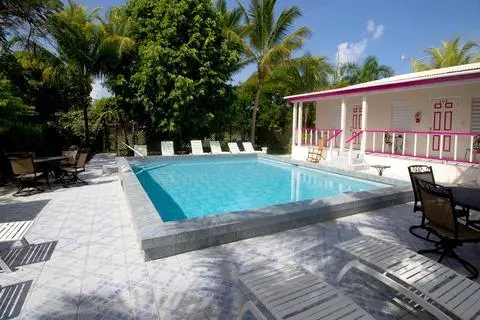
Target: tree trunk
124 124
254 113
85 121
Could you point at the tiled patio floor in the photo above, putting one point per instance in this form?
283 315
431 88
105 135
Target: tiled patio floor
86 264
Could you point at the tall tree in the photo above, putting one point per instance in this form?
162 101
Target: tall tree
268 42
25 16
451 53
85 46
304 74
369 70
184 63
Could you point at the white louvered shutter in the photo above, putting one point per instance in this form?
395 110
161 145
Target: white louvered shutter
402 117
337 117
475 115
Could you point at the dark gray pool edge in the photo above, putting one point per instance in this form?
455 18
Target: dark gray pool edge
159 239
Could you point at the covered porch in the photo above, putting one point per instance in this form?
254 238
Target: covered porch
431 116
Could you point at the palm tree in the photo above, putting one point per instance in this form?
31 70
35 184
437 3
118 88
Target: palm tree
451 53
304 74
86 45
369 70
267 42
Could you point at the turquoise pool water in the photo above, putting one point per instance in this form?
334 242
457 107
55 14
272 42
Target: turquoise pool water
198 187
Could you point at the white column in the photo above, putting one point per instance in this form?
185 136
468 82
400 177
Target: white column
364 124
299 125
294 124
343 124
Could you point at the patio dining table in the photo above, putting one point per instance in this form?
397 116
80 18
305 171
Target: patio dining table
467 197
50 165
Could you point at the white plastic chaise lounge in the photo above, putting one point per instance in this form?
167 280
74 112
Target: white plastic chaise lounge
12 232
167 148
140 150
440 290
216 148
248 147
197 147
291 292
233 147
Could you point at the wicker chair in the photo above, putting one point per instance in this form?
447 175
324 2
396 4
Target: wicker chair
71 172
442 220
25 173
317 153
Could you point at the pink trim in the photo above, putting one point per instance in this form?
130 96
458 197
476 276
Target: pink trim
354 136
335 135
428 132
320 129
390 86
448 105
445 143
437 105
449 122
437 119
417 156
436 142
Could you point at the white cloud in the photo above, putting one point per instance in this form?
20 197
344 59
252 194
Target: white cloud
353 51
376 30
350 52
98 90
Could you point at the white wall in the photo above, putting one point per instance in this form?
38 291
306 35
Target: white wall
380 114
444 173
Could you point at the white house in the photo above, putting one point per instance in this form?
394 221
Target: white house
431 116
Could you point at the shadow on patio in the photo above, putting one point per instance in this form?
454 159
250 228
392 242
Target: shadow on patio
12 298
34 253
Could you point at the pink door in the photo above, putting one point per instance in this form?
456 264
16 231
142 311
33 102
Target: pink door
356 123
442 121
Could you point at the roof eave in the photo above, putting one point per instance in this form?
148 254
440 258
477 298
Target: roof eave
383 87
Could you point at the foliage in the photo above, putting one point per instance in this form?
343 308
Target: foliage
87 47
28 16
274 122
451 53
11 107
184 63
304 74
267 41
369 70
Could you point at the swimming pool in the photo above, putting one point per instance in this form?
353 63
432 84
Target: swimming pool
201 187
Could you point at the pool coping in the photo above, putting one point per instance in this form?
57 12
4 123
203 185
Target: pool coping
161 239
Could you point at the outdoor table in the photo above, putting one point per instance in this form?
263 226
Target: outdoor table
49 164
466 197
380 168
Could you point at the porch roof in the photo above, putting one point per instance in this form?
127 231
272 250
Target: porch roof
405 81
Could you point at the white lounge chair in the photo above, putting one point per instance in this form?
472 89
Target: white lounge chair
233 147
248 147
197 147
293 290
167 148
438 289
216 148
11 232
140 150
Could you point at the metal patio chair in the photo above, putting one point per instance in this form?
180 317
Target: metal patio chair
442 220
71 173
25 173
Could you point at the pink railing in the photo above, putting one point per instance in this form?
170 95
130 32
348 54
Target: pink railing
443 145
312 136
354 136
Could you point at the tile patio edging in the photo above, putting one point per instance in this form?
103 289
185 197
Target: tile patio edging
161 239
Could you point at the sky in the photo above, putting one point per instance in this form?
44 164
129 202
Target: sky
350 30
